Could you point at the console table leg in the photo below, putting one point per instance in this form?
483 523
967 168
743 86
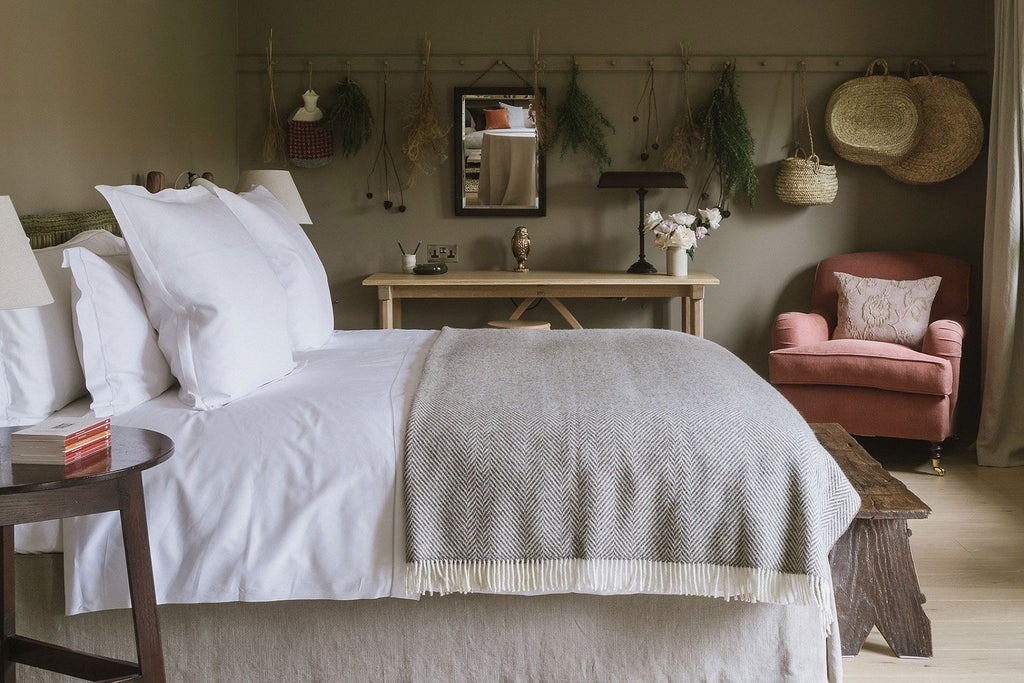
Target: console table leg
7 581
140 577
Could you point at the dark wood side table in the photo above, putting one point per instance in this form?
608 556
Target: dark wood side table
33 493
873 571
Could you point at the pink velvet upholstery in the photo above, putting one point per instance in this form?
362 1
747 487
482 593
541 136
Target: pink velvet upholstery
875 388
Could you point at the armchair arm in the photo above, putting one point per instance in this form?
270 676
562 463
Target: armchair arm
945 338
797 329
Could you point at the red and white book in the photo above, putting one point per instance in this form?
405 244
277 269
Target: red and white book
60 441
62 431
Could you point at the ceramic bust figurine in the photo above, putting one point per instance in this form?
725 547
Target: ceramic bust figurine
309 111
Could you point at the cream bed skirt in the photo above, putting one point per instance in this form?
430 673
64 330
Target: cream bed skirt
452 638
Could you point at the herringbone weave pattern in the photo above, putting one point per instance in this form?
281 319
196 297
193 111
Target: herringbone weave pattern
627 460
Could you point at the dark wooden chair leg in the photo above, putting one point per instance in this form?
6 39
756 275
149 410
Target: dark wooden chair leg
7 591
140 578
936 457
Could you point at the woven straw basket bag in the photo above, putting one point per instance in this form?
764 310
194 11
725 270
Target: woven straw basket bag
874 120
806 181
953 131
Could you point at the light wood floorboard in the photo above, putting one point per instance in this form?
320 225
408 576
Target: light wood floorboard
970 562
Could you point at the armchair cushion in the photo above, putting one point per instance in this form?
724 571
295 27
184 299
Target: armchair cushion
877 309
861 363
796 329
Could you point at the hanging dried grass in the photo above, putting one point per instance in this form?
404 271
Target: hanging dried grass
426 140
681 153
273 138
541 117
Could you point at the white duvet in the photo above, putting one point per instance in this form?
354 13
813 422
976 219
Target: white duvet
287 494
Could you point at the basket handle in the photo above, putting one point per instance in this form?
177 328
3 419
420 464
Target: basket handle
871 67
918 62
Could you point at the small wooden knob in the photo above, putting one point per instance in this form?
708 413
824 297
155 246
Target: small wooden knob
154 181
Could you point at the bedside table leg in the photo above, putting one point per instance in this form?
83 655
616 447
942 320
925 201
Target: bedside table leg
7 581
140 578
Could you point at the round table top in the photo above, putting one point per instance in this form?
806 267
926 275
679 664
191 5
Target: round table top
131 450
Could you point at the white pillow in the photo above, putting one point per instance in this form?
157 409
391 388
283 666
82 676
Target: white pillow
116 342
39 367
294 261
219 311
516 115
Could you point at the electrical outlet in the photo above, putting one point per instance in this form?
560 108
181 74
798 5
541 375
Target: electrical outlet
438 253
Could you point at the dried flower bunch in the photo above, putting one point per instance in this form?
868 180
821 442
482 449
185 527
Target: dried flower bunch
426 139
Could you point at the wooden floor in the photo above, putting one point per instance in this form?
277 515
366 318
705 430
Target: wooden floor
970 562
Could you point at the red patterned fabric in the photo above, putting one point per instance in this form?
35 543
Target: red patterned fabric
309 144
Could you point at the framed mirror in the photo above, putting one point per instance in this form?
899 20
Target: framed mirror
498 169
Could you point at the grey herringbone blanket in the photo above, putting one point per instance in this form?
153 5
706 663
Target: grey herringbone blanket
614 461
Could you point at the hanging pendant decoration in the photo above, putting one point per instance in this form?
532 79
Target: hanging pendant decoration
682 148
384 159
273 138
310 145
426 140
350 115
579 123
652 114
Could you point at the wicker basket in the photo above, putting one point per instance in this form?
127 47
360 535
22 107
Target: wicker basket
874 120
953 132
806 181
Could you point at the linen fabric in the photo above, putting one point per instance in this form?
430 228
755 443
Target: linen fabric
39 367
875 309
116 343
219 310
293 260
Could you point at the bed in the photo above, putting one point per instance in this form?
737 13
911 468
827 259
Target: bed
279 532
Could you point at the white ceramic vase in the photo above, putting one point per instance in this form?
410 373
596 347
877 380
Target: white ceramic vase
676 262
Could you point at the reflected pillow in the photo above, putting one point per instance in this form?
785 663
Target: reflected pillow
39 367
219 310
293 260
496 119
516 116
895 311
116 342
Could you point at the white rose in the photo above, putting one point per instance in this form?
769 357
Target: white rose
684 238
653 218
713 217
683 218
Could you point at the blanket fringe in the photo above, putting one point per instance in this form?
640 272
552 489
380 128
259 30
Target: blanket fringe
622 576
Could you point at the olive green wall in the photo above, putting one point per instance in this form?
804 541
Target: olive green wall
103 91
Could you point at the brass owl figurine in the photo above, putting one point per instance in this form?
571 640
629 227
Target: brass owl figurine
521 248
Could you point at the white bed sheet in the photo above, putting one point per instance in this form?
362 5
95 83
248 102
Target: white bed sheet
241 512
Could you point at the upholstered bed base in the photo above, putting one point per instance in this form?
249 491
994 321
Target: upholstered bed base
454 638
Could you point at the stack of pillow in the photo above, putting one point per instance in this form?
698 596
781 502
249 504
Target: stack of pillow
213 290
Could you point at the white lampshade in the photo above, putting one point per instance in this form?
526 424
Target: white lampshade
282 186
21 282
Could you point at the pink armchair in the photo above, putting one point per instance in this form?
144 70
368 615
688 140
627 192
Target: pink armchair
876 388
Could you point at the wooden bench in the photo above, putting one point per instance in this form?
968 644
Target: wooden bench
872 568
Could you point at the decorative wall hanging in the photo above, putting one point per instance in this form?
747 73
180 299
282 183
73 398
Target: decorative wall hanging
310 145
426 140
681 150
273 138
351 116
541 118
874 120
805 180
952 131
384 159
579 123
652 113
727 142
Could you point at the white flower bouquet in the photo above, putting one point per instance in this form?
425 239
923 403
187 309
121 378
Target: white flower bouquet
682 229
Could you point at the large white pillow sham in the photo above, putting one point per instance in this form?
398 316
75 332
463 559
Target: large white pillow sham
219 311
294 261
39 367
116 342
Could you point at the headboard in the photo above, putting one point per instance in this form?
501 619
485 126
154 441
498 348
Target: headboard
50 229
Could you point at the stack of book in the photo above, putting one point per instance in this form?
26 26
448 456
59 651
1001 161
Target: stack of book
61 441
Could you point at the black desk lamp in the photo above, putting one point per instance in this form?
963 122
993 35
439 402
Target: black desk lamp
641 181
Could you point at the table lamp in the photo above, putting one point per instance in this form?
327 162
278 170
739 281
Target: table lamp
21 281
641 181
282 186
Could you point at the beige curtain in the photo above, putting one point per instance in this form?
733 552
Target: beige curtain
1001 431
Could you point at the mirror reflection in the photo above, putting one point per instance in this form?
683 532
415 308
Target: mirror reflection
498 169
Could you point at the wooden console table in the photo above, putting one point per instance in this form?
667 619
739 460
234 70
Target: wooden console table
872 569
540 284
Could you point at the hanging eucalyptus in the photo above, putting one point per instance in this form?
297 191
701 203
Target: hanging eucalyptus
579 124
727 141
351 115
426 139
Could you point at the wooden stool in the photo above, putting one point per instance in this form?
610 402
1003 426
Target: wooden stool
519 325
